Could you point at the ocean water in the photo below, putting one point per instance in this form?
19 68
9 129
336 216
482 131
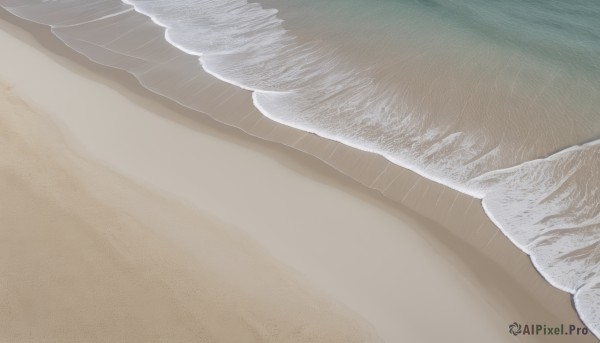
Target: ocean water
497 99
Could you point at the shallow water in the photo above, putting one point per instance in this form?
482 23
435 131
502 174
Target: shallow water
497 99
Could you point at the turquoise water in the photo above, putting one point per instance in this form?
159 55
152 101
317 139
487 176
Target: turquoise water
497 99
564 31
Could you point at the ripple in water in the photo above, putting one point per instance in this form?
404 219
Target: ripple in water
495 99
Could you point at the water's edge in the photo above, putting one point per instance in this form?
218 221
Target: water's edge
334 155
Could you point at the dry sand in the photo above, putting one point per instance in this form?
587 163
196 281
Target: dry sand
345 249
88 256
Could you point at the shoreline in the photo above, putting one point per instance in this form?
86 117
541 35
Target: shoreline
319 170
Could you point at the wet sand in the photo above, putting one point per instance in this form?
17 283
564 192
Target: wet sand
347 244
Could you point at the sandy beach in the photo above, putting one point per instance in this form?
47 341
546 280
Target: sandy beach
126 218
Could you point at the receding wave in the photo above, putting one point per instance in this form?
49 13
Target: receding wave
449 90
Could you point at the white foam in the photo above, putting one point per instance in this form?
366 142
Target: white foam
568 277
308 87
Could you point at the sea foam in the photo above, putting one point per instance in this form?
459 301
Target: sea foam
486 116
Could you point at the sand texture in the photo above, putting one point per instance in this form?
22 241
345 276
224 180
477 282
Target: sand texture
127 218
